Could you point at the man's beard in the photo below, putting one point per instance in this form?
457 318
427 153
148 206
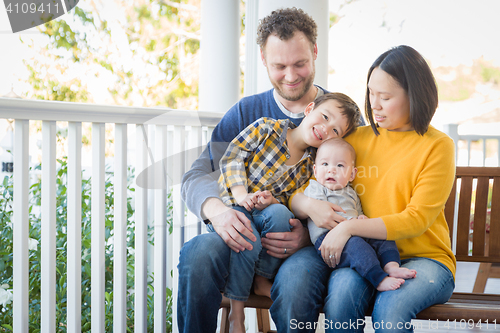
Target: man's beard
295 95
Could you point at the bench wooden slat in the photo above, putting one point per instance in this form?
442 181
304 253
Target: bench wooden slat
461 311
477 259
449 209
478 171
480 210
465 306
463 227
476 297
461 306
494 247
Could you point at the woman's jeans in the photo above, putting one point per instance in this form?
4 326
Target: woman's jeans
393 310
244 265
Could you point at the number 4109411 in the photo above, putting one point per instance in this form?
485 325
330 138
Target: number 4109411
32 8
470 324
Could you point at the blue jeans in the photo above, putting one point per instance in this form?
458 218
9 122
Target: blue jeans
366 256
393 310
203 271
298 290
244 264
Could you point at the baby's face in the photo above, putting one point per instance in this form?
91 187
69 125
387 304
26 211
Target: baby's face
334 167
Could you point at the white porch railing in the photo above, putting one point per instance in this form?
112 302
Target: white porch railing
159 134
176 133
452 131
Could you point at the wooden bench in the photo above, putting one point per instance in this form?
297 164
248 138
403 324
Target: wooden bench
478 188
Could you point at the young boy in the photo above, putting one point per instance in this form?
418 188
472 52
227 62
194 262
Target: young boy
376 260
261 168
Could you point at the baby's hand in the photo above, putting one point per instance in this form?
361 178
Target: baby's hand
263 200
249 201
362 217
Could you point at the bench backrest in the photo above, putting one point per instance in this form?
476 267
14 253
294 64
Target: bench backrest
475 197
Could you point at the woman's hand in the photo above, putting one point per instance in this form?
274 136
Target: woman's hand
333 244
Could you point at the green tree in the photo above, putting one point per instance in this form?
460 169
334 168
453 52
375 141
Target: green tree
144 53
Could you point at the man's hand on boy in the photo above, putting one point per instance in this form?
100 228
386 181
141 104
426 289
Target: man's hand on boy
283 244
230 224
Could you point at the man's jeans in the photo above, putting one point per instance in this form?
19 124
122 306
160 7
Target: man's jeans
298 290
366 256
245 264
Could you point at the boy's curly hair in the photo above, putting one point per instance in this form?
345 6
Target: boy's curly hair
284 22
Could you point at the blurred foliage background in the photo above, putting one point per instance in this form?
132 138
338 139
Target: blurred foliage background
143 52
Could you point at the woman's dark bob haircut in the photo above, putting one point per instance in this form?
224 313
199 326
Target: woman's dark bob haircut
411 71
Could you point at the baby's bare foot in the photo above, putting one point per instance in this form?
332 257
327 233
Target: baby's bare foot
390 283
393 269
262 286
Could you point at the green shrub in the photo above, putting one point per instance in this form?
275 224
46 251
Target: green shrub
6 255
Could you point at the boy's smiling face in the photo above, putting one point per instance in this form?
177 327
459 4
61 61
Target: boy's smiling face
323 123
334 167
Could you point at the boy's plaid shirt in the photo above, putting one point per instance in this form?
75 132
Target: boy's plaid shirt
254 156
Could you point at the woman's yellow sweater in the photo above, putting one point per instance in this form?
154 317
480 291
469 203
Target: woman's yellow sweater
405 179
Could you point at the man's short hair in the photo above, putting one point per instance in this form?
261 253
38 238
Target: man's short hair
283 23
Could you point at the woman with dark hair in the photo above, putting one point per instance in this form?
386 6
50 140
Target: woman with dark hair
406 172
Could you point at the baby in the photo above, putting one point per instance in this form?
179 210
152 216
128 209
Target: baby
376 260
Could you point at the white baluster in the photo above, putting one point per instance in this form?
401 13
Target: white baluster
160 229
120 231
170 172
178 212
74 275
48 232
498 152
98 229
141 233
194 149
21 227
484 152
468 152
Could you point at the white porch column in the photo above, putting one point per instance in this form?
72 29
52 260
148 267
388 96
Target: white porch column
220 70
319 11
